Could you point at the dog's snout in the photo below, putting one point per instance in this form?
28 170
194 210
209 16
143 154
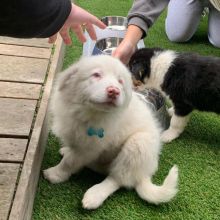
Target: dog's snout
113 92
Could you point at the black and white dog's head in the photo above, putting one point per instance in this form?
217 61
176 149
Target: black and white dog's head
140 64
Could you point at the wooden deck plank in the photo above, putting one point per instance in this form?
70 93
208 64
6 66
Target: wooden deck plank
23 69
34 42
24 197
8 177
12 150
16 116
19 90
24 51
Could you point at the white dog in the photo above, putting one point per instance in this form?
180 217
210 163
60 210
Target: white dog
105 126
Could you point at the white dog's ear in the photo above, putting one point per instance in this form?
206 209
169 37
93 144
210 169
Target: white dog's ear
65 77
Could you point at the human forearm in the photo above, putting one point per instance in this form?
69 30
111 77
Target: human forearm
141 16
133 34
33 18
128 46
144 13
40 18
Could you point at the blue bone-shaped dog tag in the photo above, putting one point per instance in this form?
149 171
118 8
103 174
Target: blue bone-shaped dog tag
92 131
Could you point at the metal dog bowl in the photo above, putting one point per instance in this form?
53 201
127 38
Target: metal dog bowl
156 102
115 22
106 45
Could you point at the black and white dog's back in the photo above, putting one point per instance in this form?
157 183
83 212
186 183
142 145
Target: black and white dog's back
189 80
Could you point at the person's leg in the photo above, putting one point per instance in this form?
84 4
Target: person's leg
183 17
214 27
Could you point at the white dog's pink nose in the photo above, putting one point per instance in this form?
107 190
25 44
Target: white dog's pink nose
113 92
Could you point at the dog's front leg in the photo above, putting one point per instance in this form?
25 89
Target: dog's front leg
97 194
177 125
170 111
69 165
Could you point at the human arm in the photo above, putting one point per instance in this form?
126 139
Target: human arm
32 18
128 45
40 18
77 18
141 17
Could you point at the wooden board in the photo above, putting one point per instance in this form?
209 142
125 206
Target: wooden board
8 177
12 150
19 90
23 69
24 197
34 42
24 51
16 116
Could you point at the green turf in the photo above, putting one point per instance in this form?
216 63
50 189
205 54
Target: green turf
196 152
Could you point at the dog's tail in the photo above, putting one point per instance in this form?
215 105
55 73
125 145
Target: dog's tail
159 194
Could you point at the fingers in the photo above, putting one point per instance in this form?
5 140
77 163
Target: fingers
64 33
74 22
115 54
98 23
121 56
91 31
124 51
52 39
77 29
79 15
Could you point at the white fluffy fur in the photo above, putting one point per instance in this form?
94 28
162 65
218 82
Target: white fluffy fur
160 63
129 151
177 125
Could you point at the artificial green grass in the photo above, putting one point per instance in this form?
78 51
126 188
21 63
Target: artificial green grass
196 152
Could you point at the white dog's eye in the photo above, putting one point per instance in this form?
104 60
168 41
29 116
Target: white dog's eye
121 81
96 75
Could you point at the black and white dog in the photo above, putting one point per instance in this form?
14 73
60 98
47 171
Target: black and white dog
189 80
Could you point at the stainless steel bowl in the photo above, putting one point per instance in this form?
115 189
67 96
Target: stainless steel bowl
115 22
156 102
106 45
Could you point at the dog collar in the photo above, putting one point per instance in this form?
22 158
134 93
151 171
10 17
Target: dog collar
95 131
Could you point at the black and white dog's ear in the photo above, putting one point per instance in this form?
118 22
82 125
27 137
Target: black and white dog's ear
65 76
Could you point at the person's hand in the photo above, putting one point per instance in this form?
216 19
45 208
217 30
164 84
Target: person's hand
124 51
78 20
129 44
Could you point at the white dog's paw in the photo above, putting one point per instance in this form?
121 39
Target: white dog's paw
169 135
170 111
64 150
92 198
54 175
